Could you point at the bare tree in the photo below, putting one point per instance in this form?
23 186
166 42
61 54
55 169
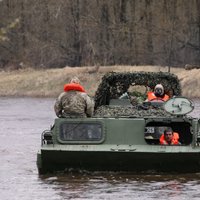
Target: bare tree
49 33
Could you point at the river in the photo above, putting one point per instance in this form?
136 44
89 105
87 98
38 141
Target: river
23 119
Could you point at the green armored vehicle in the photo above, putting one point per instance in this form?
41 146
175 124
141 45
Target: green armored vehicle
124 133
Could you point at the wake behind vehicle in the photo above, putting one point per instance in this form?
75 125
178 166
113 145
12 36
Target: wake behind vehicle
123 134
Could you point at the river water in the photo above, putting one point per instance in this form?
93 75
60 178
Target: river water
23 119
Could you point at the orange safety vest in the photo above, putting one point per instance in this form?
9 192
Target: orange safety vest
152 97
174 139
73 86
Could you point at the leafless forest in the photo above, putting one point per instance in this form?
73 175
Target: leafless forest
58 33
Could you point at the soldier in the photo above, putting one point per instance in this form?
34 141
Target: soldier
74 102
169 137
158 94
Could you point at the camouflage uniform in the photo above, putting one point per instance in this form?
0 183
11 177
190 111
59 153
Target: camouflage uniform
74 104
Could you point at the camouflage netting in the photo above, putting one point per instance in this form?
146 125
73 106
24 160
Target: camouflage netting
127 111
114 84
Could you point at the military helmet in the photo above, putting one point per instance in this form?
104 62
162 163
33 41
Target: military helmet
159 89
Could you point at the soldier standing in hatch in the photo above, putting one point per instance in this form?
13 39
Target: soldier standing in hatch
74 101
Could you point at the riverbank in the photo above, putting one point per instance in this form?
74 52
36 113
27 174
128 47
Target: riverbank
49 82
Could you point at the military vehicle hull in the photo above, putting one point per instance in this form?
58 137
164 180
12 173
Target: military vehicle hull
122 145
179 160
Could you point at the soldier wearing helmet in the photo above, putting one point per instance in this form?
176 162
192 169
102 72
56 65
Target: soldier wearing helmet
158 94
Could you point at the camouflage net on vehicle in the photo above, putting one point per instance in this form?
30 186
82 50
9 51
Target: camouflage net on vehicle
129 111
115 84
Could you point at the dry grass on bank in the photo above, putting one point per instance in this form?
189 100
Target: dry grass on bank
49 82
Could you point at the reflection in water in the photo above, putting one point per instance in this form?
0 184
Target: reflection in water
123 186
23 119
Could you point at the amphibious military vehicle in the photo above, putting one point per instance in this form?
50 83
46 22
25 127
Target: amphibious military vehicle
123 134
